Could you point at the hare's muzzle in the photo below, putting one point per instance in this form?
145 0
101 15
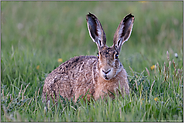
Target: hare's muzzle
107 74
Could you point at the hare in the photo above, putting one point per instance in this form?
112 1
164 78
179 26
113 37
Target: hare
92 76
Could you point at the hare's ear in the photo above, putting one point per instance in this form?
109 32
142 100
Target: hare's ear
96 31
123 32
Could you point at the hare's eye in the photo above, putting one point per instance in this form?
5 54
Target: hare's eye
116 56
98 55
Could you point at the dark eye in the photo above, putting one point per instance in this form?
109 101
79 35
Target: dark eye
98 55
116 56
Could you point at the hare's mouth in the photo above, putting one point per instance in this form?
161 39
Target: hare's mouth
105 77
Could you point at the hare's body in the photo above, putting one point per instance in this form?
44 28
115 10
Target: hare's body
91 75
73 78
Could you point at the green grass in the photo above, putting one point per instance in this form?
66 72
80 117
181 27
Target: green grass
39 33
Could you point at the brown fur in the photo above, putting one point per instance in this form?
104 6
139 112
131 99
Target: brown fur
95 75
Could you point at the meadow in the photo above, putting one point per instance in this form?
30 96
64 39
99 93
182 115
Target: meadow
38 36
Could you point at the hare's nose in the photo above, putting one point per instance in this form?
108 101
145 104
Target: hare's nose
106 71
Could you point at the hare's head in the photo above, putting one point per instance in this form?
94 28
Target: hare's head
108 62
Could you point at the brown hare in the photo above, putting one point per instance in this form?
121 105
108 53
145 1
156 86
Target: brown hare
96 76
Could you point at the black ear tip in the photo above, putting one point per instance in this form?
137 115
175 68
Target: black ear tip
89 14
127 17
130 15
92 16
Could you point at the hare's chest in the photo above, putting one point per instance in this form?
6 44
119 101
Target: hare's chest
104 88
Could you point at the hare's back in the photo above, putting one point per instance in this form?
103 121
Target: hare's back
72 69
70 76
